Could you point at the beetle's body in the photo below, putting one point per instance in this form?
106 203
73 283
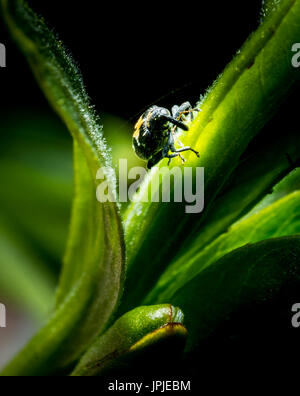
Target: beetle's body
153 138
151 133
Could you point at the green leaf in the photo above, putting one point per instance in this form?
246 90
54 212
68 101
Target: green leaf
92 278
252 180
24 279
132 335
239 104
282 218
250 276
288 185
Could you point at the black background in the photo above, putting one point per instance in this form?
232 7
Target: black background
134 54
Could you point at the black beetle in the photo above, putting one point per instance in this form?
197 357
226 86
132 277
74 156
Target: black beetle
154 136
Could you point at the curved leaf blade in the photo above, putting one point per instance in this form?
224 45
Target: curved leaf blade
252 180
249 276
277 220
93 272
133 334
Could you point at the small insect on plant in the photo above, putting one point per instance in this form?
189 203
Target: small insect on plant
155 133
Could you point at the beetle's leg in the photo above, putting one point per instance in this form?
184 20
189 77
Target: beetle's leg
175 139
155 159
168 147
171 147
171 156
183 148
188 149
